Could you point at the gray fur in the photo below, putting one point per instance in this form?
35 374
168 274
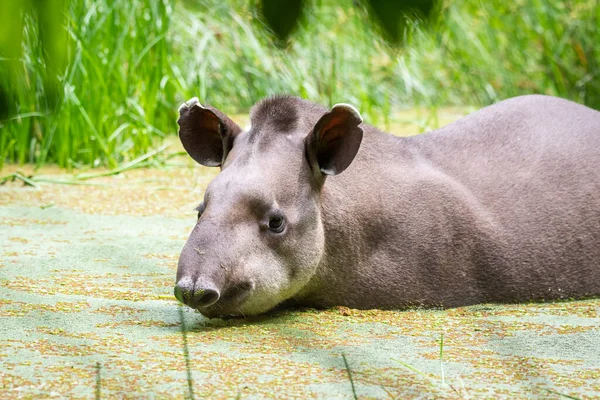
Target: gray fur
500 206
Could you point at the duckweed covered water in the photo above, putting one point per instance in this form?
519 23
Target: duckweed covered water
86 307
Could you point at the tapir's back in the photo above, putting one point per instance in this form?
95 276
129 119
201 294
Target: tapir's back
526 135
529 168
524 157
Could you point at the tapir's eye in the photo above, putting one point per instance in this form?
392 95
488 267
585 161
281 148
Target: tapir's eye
277 223
200 209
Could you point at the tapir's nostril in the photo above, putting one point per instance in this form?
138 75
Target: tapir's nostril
206 297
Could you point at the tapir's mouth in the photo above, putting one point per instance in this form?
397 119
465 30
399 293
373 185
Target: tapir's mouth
229 304
221 314
222 309
225 308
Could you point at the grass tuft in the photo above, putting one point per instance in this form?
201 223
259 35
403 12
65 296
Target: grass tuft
116 101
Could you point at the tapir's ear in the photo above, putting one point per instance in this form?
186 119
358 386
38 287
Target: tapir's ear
206 133
335 139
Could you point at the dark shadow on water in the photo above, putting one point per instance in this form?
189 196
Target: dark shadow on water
186 353
277 316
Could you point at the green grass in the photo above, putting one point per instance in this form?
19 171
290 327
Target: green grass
132 62
116 100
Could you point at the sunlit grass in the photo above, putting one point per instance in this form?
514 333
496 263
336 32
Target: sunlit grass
132 62
475 53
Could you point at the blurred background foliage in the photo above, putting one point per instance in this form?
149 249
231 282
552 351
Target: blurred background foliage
104 88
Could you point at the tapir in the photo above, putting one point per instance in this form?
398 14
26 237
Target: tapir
315 208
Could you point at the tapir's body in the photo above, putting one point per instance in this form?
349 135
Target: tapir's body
500 206
503 205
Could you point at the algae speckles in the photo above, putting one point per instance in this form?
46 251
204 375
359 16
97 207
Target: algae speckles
88 294
28 221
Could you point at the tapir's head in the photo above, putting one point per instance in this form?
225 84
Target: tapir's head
259 236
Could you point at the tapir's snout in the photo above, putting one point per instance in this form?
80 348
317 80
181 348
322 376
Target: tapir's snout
197 294
211 299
